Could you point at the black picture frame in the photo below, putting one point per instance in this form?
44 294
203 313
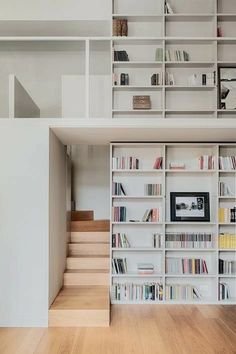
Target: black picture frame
195 206
226 80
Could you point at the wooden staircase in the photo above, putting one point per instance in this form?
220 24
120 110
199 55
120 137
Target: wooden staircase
84 299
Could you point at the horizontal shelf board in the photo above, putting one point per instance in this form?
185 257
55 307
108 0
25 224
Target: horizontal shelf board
228 40
227 197
130 87
191 249
136 223
139 17
227 276
137 64
189 223
227 111
190 275
189 88
227 224
138 171
189 40
137 197
137 111
197 17
189 171
136 275
195 111
227 249
137 249
135 302
146 40
227 171
189 63
226 17
231 301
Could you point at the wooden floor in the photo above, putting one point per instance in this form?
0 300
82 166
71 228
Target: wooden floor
146 329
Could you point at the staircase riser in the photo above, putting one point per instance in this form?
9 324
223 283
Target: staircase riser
95 237
85 279
87 226
88 263
79 318
89 249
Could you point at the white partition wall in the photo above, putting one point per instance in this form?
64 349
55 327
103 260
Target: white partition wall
176 285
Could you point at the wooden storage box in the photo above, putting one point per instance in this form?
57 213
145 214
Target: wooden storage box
141 102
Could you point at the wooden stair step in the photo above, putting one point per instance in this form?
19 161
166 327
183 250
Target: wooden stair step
86 277
93 225
81 306
77 249
82 215
88 262
92 236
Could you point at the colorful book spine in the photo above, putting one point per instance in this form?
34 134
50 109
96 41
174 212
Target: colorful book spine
227 215
227 241
188 240
152 189
150 291
119 214
120 240
186 266
125 163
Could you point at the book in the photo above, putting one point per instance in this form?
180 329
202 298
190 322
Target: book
152 189
176 165
159 54
156 79
176 55
206 162
119 214
158 163
120 240
152 215
168 8
156 238
119 266
227 240
125 163
120 27
227 215
145 268
224 189
121 55
227 266
117 189
227 163
223 291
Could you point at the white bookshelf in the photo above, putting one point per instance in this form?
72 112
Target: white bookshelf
139 234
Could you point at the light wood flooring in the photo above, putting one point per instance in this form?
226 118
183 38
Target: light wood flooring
147 329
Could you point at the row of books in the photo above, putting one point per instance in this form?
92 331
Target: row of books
119 266
145 268
186 266
223 291
176 55
158 164
208 79
153 189
224 190
117 189
125 163
227 266
138 292
188 240
206 162
120 27
227 163
227 241
152 215
119 214
227 215
178 292
120 240
156 79
156 240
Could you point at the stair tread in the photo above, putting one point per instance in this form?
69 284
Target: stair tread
89 243
82 298
86 271
89 256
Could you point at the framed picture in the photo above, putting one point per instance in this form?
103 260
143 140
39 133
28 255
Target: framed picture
189 206
227 87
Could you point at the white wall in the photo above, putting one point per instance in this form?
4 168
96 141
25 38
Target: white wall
57 215
91 179
23 224
51 9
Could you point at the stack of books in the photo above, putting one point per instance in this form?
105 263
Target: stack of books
227 266
156 79
188 240
227 241
223 291
145 268
159 54
125 163
119 266
182 292
227 215
156 240
227 163
152 215
206 162
117 189
121 55
176 55
158 163
120 241
120 27
177 165
186 266
138 292
224 190
153 189
119 214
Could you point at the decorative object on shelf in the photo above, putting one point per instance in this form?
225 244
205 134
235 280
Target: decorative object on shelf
176 265
138 292
227 87
121 55
207 79
152 189
120 27
227 215
190 206
227 266
124 79
141 102
145 268
188 240
168 8
182 292
227 241
227 163
169 79
177 165
158 164
223 291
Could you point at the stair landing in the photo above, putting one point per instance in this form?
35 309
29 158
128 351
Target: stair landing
81 306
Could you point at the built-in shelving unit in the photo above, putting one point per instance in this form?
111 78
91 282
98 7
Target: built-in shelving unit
140 234
73 63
